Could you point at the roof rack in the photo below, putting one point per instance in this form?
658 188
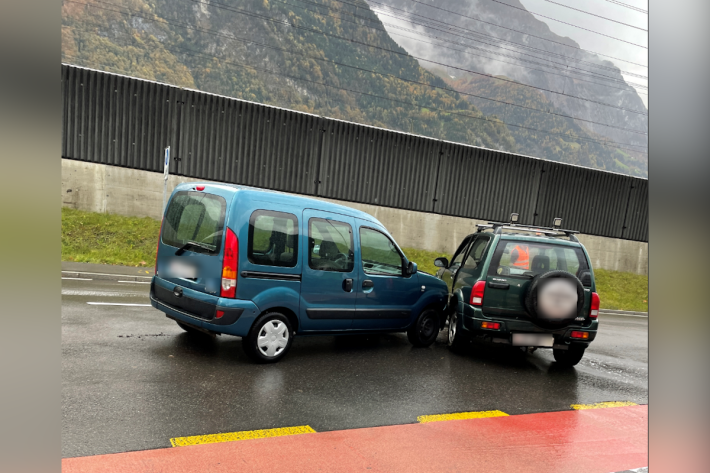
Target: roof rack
498 228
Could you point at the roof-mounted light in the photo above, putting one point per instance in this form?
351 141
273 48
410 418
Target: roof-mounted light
557 222
514 218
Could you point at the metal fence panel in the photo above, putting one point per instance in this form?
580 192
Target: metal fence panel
486 184
636 226
587 200
124 121
116 120
229 140
371 165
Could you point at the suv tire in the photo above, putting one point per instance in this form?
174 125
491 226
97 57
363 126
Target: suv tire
531 299
269 339
569 357
457 340
425 329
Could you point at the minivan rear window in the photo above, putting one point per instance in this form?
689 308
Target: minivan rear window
528 259
195 217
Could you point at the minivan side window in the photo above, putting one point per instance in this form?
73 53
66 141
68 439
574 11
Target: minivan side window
273 239
330 245
379 255
196 217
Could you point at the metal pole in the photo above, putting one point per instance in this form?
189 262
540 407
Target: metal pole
166 171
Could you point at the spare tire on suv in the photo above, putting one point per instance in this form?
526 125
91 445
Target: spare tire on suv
554 299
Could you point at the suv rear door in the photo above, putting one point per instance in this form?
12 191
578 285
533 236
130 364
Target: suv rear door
507 285
191 239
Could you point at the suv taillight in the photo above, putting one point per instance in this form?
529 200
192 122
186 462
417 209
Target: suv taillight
158 246
594 308
229 265
477 293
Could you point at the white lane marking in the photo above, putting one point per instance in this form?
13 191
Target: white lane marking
108 274
116 303
79 279
135 282
623 315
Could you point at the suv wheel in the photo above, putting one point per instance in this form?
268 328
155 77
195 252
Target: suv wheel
269 338
425 329
457 340
569 357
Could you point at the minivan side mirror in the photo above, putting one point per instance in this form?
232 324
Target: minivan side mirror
411 268
441 262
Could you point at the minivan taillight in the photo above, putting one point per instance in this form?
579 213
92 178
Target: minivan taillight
477 293
229 265
594 308
157 248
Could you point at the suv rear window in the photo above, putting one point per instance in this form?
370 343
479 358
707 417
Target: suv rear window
528 259
195 217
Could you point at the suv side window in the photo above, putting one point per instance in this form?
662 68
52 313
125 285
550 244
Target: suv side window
458 257
379 254
273 238
330 245
476 253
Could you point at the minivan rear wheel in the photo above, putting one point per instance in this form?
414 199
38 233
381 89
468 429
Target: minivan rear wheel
269 338
425 329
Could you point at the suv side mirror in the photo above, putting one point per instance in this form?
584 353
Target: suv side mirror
585 278
441 262
411 268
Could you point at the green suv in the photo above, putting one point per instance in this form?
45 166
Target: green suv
523 286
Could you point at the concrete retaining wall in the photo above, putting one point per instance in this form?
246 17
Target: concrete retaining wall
101 188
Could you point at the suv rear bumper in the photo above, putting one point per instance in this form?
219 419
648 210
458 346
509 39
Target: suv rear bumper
199 309
473 317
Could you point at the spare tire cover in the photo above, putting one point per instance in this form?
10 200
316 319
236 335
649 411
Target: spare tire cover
554 299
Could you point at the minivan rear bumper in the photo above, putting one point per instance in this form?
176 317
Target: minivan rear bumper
200 309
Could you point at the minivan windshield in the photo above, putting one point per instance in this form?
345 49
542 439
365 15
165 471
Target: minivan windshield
528 259
195 221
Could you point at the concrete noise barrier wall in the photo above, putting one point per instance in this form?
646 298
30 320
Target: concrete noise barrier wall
127 122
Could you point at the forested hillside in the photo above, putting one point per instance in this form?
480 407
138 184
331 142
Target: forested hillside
329 57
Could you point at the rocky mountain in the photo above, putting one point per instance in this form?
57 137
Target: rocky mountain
446 32
336 58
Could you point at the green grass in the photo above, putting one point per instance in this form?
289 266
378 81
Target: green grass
89 237
622 291
424 259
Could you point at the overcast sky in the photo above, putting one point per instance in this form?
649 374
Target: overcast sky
597 43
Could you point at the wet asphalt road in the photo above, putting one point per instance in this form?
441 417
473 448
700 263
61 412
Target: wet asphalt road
132 379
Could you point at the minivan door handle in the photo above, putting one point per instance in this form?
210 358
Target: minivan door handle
367 283
348 285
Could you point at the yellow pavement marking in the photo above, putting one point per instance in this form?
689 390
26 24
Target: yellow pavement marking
602 405
460 416
245 435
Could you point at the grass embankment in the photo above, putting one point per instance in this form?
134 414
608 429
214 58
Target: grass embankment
89 237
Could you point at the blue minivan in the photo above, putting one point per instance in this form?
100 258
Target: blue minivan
266 265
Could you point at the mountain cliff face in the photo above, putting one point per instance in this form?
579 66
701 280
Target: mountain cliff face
336 58
540 58
311 59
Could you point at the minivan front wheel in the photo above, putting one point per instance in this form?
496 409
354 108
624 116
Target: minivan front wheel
269 338
425 329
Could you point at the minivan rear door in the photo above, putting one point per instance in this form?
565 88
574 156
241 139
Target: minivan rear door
329 279
191 240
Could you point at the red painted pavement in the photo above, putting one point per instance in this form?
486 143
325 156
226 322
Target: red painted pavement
598 440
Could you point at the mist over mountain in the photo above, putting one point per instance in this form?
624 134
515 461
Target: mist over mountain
336 58
453 44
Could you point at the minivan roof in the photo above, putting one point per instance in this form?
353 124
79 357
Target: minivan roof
294 199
